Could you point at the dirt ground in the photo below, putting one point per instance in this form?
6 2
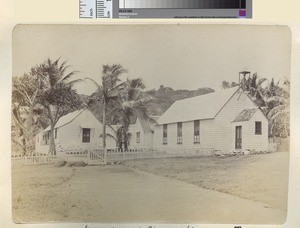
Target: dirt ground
118 193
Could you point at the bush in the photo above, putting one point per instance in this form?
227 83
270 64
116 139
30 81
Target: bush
76 164
60 164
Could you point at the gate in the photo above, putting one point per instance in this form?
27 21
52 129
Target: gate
96 157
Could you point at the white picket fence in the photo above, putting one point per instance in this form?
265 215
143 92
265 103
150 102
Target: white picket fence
115 155
97 156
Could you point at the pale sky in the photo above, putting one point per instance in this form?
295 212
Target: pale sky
179 56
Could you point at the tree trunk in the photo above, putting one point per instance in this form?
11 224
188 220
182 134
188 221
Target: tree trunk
24 143
52 149
125 137
104 130
20 130
30 139
125 143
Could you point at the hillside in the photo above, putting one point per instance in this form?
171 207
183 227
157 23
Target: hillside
163 98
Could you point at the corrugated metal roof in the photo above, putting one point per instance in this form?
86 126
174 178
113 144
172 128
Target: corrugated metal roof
66 119
245 115
197 108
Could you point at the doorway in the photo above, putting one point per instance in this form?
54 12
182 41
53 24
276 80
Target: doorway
238 137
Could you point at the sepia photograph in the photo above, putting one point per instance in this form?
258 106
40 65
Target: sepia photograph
175 123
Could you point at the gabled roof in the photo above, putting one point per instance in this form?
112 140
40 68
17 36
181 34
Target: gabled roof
66 119
200 107
245 115
147 125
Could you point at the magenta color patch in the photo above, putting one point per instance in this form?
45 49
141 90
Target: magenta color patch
242 13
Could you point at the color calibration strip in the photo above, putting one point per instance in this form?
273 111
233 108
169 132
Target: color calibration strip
182 4
93 9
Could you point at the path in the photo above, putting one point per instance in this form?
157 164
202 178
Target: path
120 194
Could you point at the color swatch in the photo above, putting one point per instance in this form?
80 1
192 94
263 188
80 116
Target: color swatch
183 4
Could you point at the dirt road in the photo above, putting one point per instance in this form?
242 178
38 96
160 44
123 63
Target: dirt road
122 194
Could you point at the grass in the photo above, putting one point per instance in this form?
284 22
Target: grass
33 188
260 178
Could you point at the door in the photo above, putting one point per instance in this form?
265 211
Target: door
238 137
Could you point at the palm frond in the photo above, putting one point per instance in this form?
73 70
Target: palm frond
94 82
278 109
115 131
261 81
109 136
276 100
69 75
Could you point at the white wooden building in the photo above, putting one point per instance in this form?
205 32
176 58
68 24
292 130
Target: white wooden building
226 121
141 134
75 131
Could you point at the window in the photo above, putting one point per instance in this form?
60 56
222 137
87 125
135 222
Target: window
258 127
165 134
138 137
47 137
197 131
55 133
179 133
86 135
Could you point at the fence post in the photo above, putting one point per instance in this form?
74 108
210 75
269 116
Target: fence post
105 155
89 156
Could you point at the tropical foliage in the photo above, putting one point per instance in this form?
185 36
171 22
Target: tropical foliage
58 96
25 92
132 105
119 101
41 97
272 97
107 92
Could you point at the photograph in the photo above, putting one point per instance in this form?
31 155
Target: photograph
150 123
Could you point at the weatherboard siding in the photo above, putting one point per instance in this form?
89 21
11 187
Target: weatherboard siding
133 129
219 132
146 138
69 136
224 130
253 141
187 145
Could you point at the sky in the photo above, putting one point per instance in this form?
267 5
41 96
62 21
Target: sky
177 56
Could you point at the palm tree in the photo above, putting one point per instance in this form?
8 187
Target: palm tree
25 91
133 104
278 105
107 92
57 95
225 85
253 84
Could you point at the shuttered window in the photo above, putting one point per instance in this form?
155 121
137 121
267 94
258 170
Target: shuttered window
165 134
86 135
197 131
179 133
